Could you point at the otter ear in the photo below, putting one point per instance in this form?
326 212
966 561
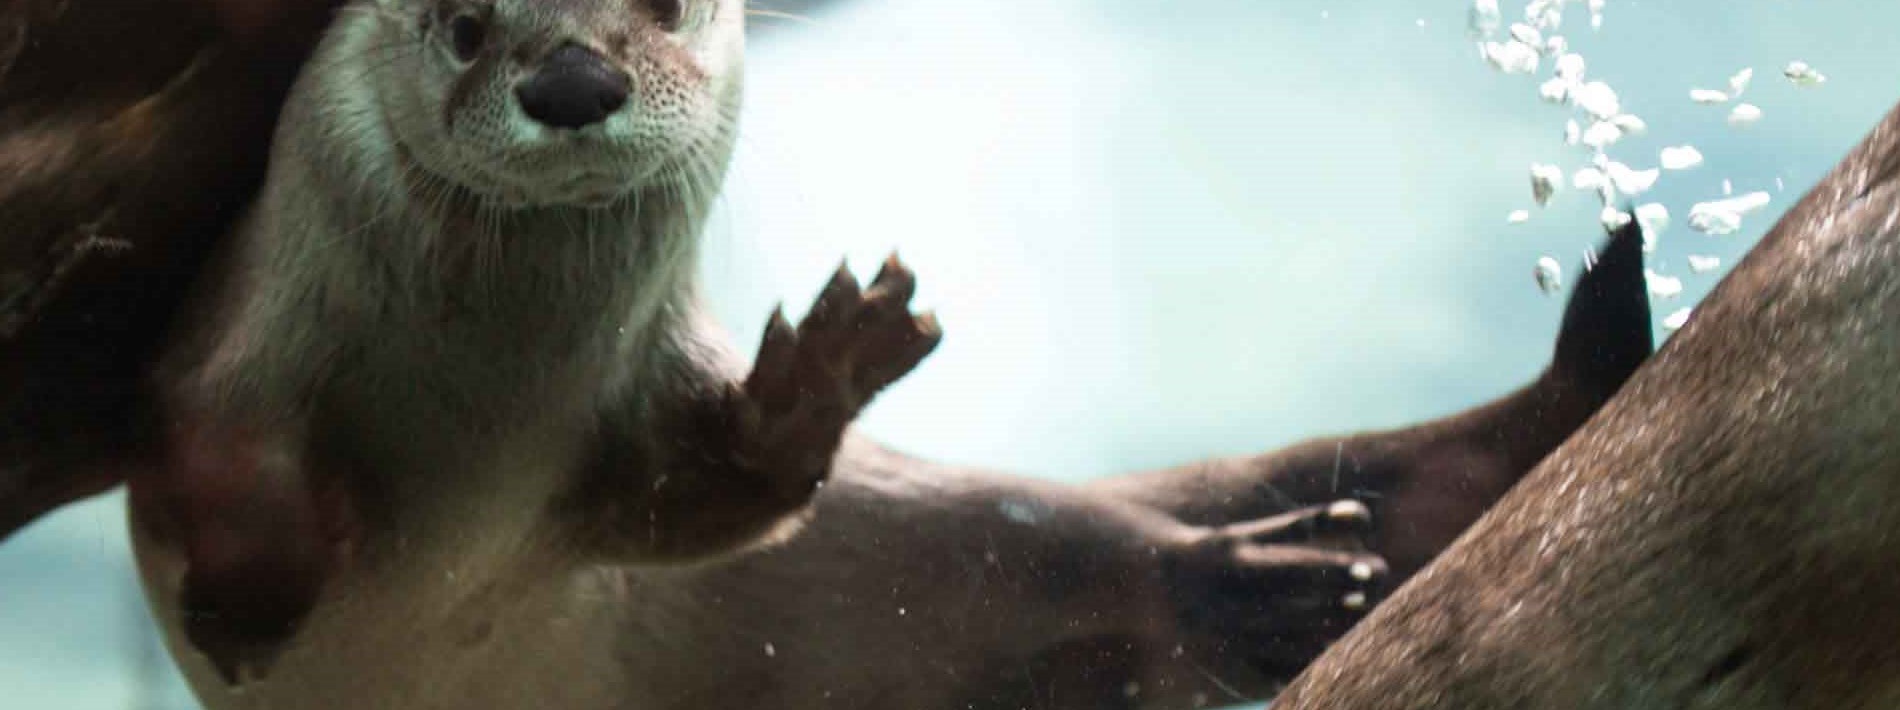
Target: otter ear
107 219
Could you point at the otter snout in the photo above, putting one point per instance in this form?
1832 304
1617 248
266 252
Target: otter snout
574 88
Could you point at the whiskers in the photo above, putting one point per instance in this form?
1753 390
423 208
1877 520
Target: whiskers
754 11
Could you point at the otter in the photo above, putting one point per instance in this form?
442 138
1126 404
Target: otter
1721 535
441 428
464 294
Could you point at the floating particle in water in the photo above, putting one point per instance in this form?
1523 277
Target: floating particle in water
1518 216
1738 83
1728 188
1545 14
1588 179
1654 218
1573 133
1549 274
1570 67
1353 600
1714 222
1744 115
1613 218
1545 181
1681 157
1484 18
1725 216
1360 571
1745 204
1594 179
1631 124
1661 285
1676 320
1596 14
770 651
1602 134
1597 99
1779 186
1554 91
1630 181
1703 264
1528 35
1708 96
1511 57
1420 22
1803 75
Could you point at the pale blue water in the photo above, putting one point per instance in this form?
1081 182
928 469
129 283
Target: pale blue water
1155 230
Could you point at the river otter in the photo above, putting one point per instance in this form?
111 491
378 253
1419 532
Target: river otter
338 414
1722 535
465 294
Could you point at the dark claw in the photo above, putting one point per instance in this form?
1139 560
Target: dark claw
1341 519
772 370
835 304
894 283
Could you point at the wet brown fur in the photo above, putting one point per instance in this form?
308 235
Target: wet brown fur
1723 535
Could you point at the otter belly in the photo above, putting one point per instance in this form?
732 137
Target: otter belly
445 629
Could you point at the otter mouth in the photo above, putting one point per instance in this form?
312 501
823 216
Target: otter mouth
563 178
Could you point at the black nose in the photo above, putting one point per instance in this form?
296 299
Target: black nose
574 88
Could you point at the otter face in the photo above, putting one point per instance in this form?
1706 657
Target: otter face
561 102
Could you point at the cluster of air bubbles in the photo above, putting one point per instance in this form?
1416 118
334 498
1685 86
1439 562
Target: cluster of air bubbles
1598 120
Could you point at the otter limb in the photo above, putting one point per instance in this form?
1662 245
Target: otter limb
1426 483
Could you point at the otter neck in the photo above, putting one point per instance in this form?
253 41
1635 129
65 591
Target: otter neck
484 313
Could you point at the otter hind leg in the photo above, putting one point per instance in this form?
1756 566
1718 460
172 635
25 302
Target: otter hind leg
1426 483
1270 594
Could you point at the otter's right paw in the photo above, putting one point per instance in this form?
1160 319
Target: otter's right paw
1280 589
809 383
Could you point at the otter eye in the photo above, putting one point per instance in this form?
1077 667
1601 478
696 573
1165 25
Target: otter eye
466 34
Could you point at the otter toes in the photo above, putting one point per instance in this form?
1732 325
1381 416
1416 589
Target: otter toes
1281 588
809 382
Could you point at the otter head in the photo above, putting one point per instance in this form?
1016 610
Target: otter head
528 103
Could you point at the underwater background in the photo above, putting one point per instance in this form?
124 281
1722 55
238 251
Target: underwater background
1155 230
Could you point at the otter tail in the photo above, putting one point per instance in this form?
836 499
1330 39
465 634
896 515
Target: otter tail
1606 330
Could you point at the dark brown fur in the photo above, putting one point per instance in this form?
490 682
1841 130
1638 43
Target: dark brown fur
110 196
1723 535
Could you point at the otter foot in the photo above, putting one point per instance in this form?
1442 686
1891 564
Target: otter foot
810 382
1280 589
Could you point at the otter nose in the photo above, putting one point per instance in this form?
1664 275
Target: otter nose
574 88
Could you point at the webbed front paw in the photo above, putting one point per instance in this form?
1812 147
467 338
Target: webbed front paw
809 382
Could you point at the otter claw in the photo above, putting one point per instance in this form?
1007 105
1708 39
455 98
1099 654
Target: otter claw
811 380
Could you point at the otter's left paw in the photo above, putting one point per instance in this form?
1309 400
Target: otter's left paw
810 382
1280 589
